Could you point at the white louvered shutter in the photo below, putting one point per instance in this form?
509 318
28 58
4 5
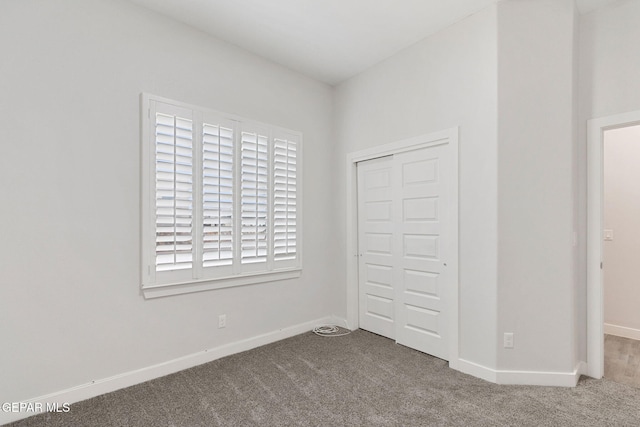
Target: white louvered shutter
173 192
221 199
285 204
217 195
254 197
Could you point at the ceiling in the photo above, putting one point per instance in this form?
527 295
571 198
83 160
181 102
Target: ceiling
329 40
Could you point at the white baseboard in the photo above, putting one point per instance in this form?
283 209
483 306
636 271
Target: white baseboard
622 331
555 379
475 370
128 379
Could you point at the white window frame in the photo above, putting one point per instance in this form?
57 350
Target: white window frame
199 278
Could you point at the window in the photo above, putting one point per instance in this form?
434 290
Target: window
221 202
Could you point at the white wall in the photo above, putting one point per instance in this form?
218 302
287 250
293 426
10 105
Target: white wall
609 85
535 184
71 75
621 214
445 80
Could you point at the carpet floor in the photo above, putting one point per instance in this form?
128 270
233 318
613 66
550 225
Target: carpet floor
622 360
356 380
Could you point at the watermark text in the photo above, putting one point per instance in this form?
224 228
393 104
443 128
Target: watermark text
35 407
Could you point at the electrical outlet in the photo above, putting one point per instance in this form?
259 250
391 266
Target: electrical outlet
222 321
508 340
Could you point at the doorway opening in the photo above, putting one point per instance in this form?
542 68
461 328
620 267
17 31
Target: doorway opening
621 246
601 235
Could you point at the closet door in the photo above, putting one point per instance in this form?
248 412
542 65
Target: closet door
405 238
421 235
376 224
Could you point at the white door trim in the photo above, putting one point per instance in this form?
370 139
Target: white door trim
450 137
595 167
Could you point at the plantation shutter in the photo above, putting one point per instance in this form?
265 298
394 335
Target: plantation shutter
173 192
217 195
254 197
285 208
220 199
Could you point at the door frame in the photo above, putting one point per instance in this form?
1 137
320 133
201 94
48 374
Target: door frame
449 137
595 210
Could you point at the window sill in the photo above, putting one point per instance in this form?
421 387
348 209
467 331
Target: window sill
158 291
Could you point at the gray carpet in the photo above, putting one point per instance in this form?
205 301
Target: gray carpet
357 380
622 360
